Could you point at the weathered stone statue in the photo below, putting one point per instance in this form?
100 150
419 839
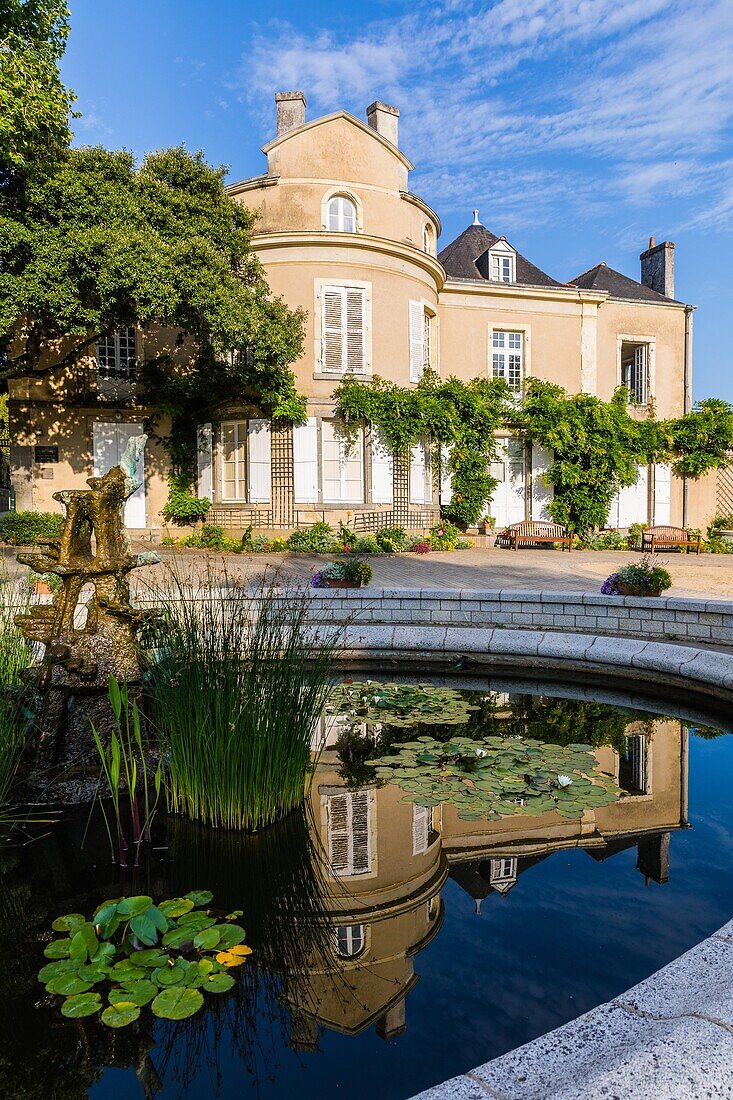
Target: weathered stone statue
90 629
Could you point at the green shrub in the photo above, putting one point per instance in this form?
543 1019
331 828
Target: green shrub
349 568
634 536
391 540
464 544
26 528
182 507
318 539
606 540
346 536
444 536
366 544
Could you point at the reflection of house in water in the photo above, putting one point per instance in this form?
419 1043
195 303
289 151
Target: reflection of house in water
652 772
389 859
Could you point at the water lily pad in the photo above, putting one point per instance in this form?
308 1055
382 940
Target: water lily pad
178 936
195 922
149 956
84 942
177 1003
176 907
166 976
206 940
141 993
144 928
134 906
229 935
54 969
57 949
104 953
68 923
125 970
235 957
82 1004
121 1014
200 897
66 984
91 972
218 983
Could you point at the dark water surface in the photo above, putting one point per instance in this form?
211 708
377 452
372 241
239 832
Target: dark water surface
439 944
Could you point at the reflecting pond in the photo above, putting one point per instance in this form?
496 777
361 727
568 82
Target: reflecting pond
417 917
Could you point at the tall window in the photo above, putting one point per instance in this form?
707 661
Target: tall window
343 335
428 239
632 772
501 269
421 340
116 365
343 465
635 372
245 460
507 359
341 215
349 833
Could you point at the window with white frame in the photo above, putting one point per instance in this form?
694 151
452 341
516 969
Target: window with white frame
349 832
343 329
428 239
341 216
342 464
501 268
350 940
503 874
421 321
116 364
635 372
421 820
245 460
507 357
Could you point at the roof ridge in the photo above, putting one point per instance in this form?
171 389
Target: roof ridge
593 268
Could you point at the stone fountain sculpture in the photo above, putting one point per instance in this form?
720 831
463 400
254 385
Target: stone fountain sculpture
90 628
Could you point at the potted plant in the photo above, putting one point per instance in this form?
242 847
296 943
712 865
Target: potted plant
348 572
721 528
640 579
486 525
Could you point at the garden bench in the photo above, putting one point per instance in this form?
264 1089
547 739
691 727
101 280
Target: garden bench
532 531
656 538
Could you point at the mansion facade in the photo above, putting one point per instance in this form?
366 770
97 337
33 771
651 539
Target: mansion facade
340 234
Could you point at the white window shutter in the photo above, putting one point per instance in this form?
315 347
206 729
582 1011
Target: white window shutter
349 832
305 462
662 493
355 341
420 829
446 481
382 469
417 474
417 333
204 461
258 439
542 494
332 329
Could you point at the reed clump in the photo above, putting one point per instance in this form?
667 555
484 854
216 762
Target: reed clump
235 691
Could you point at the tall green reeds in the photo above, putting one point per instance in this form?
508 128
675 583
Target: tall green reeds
15 657
236 691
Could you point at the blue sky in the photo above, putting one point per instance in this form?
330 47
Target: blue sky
577 127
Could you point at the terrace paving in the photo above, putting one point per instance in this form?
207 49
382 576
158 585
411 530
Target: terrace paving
706 577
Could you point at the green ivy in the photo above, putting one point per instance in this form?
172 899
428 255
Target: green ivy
182 507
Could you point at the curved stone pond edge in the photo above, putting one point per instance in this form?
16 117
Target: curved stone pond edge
668 1038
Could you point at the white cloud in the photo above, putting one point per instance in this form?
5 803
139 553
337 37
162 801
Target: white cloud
528 105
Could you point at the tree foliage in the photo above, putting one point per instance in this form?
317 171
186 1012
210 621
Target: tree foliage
34 104
459 418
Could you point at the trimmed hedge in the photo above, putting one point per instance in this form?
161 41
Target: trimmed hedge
26 528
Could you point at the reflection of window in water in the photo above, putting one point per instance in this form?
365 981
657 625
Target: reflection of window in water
632 771
433 908
349 832
503 874
350 940
420 829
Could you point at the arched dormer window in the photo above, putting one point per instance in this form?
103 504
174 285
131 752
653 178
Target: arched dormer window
341 216
428 239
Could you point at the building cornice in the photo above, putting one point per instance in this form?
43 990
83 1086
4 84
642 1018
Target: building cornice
422 205
352 241
349 118
252 184
488 289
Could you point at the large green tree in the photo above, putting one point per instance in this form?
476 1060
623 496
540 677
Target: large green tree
34 104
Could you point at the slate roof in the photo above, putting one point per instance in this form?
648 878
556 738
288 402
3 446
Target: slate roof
603 277
459 258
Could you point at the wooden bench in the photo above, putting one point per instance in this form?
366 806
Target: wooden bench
657 538
531 531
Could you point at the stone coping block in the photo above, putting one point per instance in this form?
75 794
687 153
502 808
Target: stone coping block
668 1038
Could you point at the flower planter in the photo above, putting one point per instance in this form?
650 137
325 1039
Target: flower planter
332 582
632 590
726 534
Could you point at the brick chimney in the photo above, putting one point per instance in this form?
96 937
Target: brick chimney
657 267
290 111
384 119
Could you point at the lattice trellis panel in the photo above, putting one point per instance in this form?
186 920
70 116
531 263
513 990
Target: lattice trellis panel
724 491
283 490
401 489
